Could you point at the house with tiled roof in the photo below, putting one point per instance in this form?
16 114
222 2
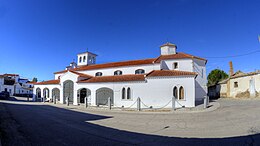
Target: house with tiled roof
237 85
155 80
15 85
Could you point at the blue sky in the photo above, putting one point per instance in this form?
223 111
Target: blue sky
39 37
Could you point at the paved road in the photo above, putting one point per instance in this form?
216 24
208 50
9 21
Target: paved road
43 124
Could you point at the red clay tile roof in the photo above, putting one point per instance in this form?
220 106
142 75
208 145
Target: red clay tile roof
81 74
156 73
59 72
176 56
109 65
48 82
119 78
168 44
31 82
133 62
115 64
11 75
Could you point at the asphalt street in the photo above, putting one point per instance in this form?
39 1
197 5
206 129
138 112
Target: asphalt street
28 123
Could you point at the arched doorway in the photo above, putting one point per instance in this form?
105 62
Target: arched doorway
38 93
83 93
68 88
102 96
46 93
56 93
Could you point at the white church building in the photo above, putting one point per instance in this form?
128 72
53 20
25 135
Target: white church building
155 81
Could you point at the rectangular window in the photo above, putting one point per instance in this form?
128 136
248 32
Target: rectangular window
175 65
235 84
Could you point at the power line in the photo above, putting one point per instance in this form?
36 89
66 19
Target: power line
232 56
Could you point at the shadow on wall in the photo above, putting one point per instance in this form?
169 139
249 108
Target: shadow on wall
214 92
200 92
47 125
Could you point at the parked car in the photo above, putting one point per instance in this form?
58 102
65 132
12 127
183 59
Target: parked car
4 95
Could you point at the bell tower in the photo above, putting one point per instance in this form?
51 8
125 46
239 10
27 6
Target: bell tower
86 58
168 49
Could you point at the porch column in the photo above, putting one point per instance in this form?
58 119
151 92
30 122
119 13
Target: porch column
93 98
62 100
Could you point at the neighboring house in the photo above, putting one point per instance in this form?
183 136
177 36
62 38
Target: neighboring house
155 81
15 85
1 82
238 85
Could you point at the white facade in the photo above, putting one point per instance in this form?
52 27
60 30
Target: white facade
239 85
250 83
14 85
155 86
1 83
86 58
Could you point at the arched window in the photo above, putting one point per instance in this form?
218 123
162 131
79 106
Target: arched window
139 71
99 74
128 93
118 72
80 59
181 93
84 59
123 93
175 92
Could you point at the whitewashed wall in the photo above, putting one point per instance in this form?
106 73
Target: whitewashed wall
155 92
183 64
9 88
243 84
50 87
125 70
69 76
199 66
223 90
56 76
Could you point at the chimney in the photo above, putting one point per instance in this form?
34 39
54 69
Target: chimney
231 70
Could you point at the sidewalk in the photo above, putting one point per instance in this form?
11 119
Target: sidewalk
198 109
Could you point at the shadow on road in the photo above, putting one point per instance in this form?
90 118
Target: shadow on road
48 125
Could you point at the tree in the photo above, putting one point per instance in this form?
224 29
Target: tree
34 79
216 76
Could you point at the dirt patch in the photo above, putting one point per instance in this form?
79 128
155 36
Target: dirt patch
245 94
257 94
